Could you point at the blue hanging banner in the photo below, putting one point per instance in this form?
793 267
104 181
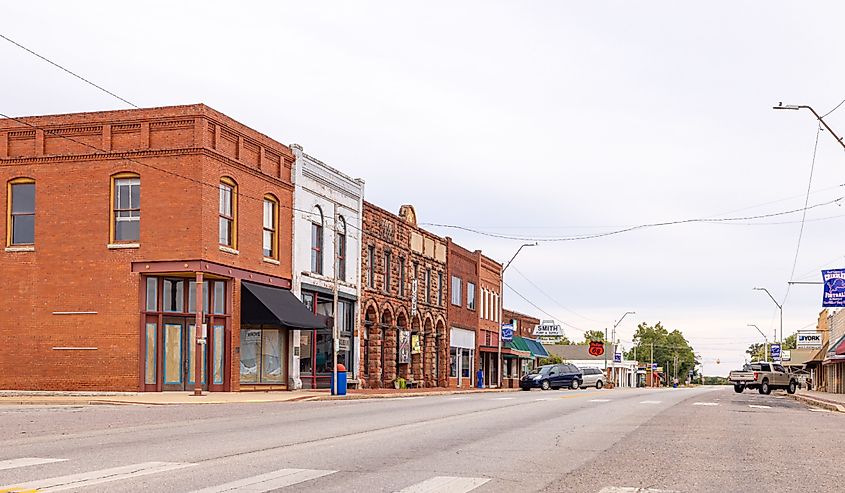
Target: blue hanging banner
834 288
507 332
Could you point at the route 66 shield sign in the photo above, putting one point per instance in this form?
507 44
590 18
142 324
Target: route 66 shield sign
596 348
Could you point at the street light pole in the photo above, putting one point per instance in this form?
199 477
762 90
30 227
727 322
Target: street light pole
782 106
501 309
613 339
765 342
780 307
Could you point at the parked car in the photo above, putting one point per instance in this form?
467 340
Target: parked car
593 377
764 377
557 376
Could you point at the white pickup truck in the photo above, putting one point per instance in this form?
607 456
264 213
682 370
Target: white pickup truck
764 377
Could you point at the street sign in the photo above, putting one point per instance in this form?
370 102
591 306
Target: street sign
775 351
507 332
654 366
787 355
617 358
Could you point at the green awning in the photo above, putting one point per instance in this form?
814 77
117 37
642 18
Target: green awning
518 343
534 348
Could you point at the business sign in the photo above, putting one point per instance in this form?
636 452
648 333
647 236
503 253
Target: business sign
548 328
786 355
404 346
596 348
654 366
413 297
415 344
507 332
617 358
834 288
343 344
775 351
809 339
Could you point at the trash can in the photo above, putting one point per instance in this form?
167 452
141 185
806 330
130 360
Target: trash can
479 378
341 380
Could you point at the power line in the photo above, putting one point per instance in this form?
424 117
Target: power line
834 109
552 299
633 228
51 62
803 215
538 308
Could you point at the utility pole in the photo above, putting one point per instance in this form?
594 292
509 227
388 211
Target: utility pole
651 365
501 310
613 339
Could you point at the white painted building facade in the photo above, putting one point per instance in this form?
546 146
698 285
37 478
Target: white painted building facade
326 253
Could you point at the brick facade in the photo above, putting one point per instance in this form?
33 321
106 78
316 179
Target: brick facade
463 265
69 317
523 325
387 299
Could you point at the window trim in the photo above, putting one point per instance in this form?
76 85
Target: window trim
274 242
321 240
230 182
341 253
113 210
18 181
458 291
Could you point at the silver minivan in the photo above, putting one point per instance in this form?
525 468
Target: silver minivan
593 377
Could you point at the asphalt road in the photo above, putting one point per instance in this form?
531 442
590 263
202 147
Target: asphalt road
703 439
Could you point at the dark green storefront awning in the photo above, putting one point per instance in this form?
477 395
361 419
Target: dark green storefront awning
537 349
531 347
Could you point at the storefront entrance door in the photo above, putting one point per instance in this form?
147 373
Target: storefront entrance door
178 355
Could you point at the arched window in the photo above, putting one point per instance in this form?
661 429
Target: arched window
340 231
126 208
20 219
271 226
317 240
228 213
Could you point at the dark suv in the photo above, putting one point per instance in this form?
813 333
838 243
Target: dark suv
557 376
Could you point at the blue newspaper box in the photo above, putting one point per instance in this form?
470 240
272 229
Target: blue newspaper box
341 380
479 378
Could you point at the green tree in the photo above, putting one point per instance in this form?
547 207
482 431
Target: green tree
757 351
655 343
551 360
592 335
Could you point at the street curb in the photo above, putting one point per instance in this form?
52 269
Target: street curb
830 406
399 396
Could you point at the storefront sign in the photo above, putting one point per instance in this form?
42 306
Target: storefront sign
775 352
548 328
834 288
809 339
415 344
507 332
404 346
596 348
617 358
414 297
343 344
787 355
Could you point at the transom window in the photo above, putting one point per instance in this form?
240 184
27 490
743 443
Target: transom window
21 220
228 212
271 220
126 208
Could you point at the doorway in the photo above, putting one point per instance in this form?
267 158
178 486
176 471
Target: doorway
178 353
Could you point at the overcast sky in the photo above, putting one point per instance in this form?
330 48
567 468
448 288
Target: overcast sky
534 119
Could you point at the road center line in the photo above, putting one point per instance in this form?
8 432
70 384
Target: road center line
599 400
445 484
650 402
757 406
705 403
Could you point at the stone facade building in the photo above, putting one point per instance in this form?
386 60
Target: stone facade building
403 300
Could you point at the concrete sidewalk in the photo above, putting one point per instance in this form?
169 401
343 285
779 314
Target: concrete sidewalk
824 400
21 397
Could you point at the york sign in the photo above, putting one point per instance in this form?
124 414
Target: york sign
809 339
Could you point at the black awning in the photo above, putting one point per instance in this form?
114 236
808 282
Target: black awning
268 305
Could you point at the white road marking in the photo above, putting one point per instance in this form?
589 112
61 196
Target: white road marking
445 484
26 461
458 398
755 406
650 402
502 398
599 400
818 410
87 479
541 399
617 489
269 481
705 403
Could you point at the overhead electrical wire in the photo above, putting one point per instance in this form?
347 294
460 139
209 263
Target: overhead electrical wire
835 108
547 295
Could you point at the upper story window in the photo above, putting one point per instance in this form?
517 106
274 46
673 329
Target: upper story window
371 266
387 279
471 296
401 276
271 224
428 286
317 241
126 208
440 288
456 291
340 231
20 223
228 212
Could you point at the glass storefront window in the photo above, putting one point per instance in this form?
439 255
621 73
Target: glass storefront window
150 353
271 356
219 297
466 359
324 352
173 295
306 363
217 351
192 296
250 354
453 362
152 294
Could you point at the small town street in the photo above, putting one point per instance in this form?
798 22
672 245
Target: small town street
699 439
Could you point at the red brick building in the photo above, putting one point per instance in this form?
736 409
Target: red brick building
112 219
523 325
403 297
464 314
